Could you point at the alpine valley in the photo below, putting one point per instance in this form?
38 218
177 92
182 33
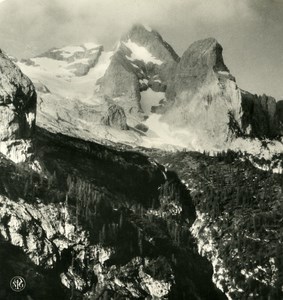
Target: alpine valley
138 174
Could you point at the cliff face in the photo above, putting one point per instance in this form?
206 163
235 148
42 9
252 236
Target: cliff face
17 102
17 110
203 98
197 66
262 116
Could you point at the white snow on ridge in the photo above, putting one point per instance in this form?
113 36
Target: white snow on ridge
69 51
141 53
59 79
90 46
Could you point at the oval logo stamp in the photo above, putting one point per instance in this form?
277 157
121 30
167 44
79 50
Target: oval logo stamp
17 283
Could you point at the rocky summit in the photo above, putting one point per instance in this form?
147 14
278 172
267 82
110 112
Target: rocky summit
142 60
203 94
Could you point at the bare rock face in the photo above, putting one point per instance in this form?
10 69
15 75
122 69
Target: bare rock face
198 64
120 81
203 98
262 116
141 61
115 117
17 102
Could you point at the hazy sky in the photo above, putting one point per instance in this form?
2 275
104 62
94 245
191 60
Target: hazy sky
250 31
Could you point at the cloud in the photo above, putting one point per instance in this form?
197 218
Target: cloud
249 30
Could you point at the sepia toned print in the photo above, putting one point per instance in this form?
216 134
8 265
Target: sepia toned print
141 149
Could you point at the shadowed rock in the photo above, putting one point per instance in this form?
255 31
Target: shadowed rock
17 102
262 116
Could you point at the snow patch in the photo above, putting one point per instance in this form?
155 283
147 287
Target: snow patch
141 53
150 98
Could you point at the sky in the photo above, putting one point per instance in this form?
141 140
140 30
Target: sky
250 31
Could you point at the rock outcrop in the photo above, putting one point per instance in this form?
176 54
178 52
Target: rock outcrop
115 117
17 102
17 111
262 116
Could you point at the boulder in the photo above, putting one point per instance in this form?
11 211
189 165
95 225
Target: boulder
115 117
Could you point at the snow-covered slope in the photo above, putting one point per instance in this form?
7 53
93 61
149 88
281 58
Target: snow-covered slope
67 101
56 69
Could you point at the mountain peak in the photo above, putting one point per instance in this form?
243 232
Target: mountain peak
143 35
140 32
206 53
